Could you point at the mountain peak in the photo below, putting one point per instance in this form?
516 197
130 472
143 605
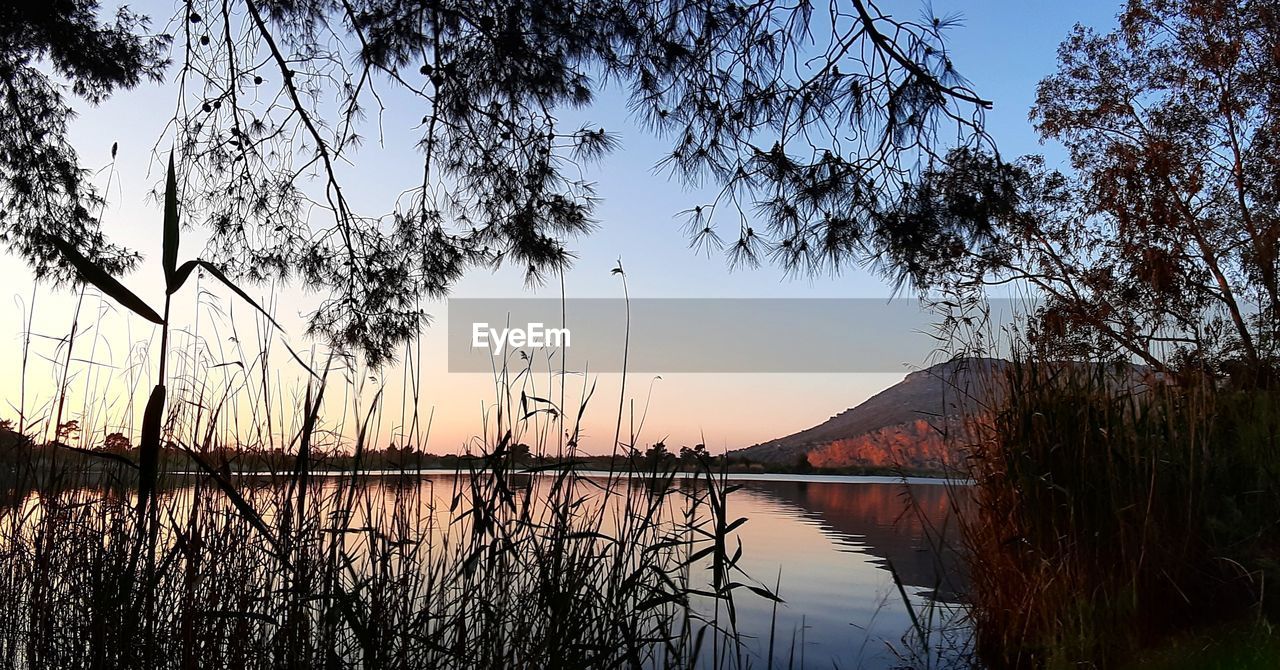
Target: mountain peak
897 426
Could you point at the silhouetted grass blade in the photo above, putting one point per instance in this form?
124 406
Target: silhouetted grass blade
93 274
171 232
149 448
181 275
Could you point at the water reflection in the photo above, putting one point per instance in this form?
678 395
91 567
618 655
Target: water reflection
831 544
910 526
826 543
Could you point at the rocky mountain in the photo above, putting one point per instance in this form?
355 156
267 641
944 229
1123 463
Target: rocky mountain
900 426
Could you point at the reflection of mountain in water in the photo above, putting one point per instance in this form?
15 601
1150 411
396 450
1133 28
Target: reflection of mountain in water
874 518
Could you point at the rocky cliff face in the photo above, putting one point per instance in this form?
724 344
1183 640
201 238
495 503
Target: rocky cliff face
917 445
901 426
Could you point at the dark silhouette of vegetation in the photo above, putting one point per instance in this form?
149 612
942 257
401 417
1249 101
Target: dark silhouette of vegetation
1162 242
518 560
693 455
807 120
1113 509
116 443
44 193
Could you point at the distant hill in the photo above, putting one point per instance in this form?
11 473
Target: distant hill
898 426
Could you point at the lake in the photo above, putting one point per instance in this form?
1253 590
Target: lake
832 540
830 545
865 566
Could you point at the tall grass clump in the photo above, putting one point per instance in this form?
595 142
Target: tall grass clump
176 555
494 569
324 563
1114 507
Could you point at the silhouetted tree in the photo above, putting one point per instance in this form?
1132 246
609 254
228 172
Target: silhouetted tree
45 48
1167 229
520 453
68 429
808 121
116 443
692 456
811 118
658 454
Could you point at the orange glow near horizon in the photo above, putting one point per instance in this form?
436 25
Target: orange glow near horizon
113 366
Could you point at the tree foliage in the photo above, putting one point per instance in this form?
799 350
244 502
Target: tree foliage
45 195
805 120
1162 241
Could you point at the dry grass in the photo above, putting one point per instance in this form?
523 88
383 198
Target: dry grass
1112 510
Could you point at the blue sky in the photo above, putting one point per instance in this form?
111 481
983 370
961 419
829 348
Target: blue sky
1003 47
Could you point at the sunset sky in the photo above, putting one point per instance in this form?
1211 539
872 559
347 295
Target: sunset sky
1004 47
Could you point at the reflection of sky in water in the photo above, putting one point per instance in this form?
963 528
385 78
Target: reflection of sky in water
832 543
828 542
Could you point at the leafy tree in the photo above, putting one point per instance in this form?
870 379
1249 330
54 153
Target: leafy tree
657 453
520 453
68 429
697 454
1162 241
46 47
806 120
116 443
810 118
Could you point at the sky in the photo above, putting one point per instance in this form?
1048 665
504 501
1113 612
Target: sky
1002 46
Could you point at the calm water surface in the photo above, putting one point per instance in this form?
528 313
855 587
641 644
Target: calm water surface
831 545
833 542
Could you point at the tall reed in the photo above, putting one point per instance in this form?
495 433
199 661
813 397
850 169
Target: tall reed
1113 507
501 569
164 556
